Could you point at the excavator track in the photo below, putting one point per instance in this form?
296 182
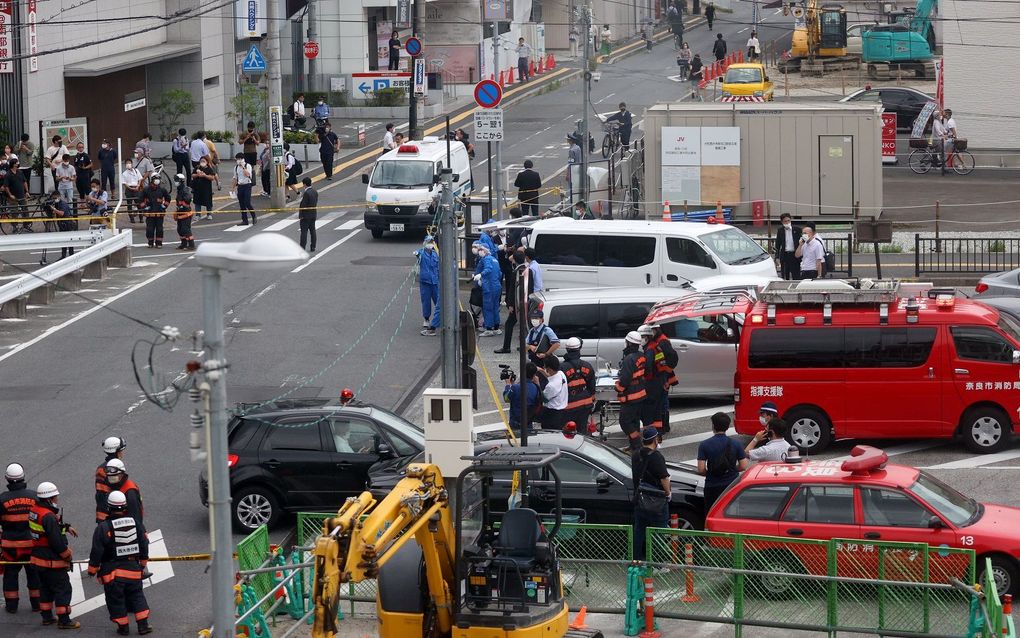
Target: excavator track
903 70
583 633
819 66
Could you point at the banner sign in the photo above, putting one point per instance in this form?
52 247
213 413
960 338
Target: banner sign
6 36
888 138
33 37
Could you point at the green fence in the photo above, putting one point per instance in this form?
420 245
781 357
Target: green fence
252 553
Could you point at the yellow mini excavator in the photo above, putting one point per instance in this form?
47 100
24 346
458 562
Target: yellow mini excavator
441 575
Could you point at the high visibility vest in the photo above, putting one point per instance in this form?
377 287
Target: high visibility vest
634 363
578 376
46 526
661 367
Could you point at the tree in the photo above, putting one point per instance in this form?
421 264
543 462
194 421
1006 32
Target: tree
249 105
175 104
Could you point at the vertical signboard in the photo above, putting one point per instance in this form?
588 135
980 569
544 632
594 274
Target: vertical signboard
419 76
6 36
251 18
276 133
403 20
681 164
888 138
33 37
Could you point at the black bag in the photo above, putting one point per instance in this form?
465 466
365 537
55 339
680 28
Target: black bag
476 296
648 500
297 169
830 259
724 463
290 111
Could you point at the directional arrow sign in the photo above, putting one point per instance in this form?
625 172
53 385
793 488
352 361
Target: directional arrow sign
254 62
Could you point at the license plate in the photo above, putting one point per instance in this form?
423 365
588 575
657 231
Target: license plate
396 228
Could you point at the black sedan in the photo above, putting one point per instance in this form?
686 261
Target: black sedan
307 455
906 103
595 480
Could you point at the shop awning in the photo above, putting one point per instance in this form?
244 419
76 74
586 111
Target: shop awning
129 59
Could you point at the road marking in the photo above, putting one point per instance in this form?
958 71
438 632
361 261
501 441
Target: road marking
976 461
904 448
742 30
688 439
350 224
330 217
283 223
321 253
162 570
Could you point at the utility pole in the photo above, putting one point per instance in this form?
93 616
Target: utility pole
498 167
313 64
413 132
450 328
274 80
585 99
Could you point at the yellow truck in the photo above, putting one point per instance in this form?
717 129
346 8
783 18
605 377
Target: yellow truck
747 78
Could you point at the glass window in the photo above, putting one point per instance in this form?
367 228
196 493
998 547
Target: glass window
402 447
743 76
571 470
1009 325
889 508
957 508
402 174
241 431
868 96
626 252
981 344
796 348
565 250
687 251
734 247
293 434
760 502
354 436
398 423
822 504
621 318
888 347
579 320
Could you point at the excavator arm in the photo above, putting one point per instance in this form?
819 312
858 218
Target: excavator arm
365 534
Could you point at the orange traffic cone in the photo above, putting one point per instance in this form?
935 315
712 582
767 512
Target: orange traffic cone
531 68
501 78
552 62
510 77
740 56
579 618
667 214
541 66
492 77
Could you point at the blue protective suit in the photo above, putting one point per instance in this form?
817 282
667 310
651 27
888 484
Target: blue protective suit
491 291
428 284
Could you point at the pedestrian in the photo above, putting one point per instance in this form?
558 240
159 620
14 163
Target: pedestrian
292 166
461 136
648 34
720 459
753 47
113 447
512 395
197 150
66 176
17 190
53 158
97 200
776 446
528 184
697 74
554 393
184 213
83 171
626 121
329 146
144 166
398 139
719 48
488 277
202 178
630 387
580 376
16 538
811 252
662 360
266 166
652 489
511 280
214 158
56 208
180 151
394 46
242 182
582 211
388 143
308 213
534 267
132 182
541 341
428 285
573 37
785 248
250 144
523 57
297 111
606 38
51 557
120 552
573 164
145 144
25 152
683 60
710 14
117 479
676 22
155 200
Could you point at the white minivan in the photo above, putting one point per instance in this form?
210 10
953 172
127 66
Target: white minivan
402 193
602 253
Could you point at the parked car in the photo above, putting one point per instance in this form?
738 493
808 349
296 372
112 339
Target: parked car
307 455
864 498
596 482
905 102
854 41
998 284
747 79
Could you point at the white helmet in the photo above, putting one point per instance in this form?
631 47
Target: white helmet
114 444
15 472
633 337
116 499
115 467
645 330
573 343
47 490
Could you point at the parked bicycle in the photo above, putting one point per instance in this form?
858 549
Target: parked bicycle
924 159
159 171
632 199
12 210
611 141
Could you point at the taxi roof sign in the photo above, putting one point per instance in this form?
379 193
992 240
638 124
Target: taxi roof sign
863 459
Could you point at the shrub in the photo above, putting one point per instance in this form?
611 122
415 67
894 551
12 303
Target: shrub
226 137
300 137
997 246
388 97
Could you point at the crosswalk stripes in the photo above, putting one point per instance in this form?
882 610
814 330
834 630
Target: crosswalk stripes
350 224
290 221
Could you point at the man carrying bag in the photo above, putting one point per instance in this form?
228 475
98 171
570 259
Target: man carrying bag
651 489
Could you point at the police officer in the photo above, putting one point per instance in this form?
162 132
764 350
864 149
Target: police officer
114 448
662 359
117 479
120 551
184 214
16 540
541 340
51 557
630 388
580 384
154 202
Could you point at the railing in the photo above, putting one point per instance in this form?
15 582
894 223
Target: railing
842 248
965 254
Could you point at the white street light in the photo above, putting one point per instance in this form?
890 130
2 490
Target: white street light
262 251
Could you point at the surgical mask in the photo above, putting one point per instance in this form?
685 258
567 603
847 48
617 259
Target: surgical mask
430 246
106 146
762 420
204 164
536 323
474 251
128 166
787 225
240 162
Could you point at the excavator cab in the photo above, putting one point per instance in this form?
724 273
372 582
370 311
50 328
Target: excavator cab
832 24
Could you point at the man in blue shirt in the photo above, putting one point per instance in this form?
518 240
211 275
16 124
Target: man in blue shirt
720 460
428 285
512 395
534 267
321 112
541 341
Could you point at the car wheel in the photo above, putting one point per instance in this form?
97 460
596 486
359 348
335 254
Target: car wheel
768 583
687 518
377 233
985 430
1004 573
810 429
254 507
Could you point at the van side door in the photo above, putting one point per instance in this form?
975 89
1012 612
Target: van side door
982 369
567 261
617 320
627 260
684 260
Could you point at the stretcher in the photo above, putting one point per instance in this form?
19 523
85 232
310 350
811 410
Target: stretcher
607 405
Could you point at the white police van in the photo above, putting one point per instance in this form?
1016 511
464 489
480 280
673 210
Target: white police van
403 192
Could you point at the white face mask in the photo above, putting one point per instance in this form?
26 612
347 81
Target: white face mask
204 164
762 419
430 246
474 251
536 323
787 225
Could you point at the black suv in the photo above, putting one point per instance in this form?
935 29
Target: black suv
307 455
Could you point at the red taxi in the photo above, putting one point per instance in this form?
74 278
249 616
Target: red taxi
880 363
864 498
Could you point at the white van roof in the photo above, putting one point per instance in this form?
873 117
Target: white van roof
626 227
429 148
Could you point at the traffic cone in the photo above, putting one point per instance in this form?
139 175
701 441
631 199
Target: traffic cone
531 68
541 65
667 215
510 77
492 77
579 618
501 78
740 56
552 62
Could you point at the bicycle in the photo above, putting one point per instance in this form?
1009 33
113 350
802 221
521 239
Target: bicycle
922 160
9 210
159 171
611 141
632 199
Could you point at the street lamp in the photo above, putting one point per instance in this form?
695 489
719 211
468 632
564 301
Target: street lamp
262 251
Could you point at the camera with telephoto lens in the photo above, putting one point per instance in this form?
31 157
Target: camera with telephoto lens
507 374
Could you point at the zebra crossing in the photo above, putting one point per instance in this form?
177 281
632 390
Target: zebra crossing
292 220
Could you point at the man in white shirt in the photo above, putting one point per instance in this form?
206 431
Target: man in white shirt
198 149
341 437
774 433
523 57
949 131
387 141
811 252
131 179
753 47
554 394
299 111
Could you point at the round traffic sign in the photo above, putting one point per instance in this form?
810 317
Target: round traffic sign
413 47
488 94
311 49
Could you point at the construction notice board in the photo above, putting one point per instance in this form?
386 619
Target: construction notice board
700 164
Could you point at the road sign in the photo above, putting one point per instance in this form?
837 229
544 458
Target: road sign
413 47
488 125
488 94
254 62
367 83
311 49
889 138
419 76
276 133
253 15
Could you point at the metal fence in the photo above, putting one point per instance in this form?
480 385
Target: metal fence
252 553
965 254
842 247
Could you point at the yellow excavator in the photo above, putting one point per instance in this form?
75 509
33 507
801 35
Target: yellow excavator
819 37
448 576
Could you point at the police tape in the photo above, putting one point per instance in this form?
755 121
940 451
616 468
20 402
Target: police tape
152 559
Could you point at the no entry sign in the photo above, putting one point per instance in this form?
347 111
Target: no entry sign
311 49
488 94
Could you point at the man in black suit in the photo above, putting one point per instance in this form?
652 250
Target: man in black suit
528 184
787 240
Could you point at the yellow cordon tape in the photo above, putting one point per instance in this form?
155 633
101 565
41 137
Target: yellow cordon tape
153 559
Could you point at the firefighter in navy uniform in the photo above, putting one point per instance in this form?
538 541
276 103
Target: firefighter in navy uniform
580 385
51 557
630 388
661 359
120 550
16 540
114 448
117 479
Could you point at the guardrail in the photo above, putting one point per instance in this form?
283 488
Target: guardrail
965 254
61 239
13 295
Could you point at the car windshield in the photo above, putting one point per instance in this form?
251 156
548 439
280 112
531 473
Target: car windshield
734 247
1008 324
399 424
402 174
606 458
743 76
957 508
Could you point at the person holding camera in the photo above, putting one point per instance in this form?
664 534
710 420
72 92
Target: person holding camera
774 436
58 208
512 394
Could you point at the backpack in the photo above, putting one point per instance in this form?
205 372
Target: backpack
724 463
290 111
297 169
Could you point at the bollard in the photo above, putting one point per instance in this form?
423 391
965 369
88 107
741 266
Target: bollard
1007 611
632 618
649 631
667 216
689 595
674 541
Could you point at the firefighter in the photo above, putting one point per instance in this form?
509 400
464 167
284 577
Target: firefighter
580 384
630 388
120 551
184 214
51 557
117 479
154 202
661 359
114 448
16 540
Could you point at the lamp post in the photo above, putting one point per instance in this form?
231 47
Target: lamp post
261 252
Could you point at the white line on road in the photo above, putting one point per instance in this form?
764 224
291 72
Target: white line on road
742 30
329 218
283 223
323 252
350 224
904 448
976 461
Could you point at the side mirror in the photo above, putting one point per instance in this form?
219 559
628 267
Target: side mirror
936 523
364 178
384 451
602 479
456 177
1016 356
